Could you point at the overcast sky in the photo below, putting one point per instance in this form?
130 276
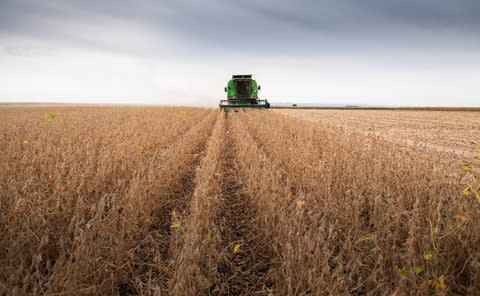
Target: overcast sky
380 52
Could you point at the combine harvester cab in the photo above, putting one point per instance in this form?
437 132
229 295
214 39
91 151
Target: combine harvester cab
242 93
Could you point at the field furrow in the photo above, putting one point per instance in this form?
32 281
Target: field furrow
220 250
196 235
181 172
241 266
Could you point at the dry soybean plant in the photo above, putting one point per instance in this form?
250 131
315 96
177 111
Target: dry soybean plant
190 201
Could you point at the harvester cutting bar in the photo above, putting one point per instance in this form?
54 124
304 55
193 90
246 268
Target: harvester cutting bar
244 103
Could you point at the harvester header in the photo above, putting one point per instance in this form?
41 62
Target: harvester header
242 92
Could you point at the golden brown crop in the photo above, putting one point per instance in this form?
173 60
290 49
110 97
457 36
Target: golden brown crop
189 201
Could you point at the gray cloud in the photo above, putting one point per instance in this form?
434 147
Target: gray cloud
303 27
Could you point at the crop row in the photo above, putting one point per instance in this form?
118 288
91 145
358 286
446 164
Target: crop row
186 201
349 213
85 199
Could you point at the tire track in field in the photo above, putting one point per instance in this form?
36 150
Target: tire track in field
241 272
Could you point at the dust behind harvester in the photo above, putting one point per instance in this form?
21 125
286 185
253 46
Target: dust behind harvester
242 92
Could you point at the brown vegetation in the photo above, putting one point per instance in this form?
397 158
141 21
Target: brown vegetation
455 133
185 201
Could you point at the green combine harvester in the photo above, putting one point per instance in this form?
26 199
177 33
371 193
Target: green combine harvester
242 93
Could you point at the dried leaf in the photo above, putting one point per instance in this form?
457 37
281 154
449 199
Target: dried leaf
402 272
50 116
176 226
209 237
465 166
369 247
440 285
208 283
418 269
235 249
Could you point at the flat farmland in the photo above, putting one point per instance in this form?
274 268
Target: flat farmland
456 132
192 201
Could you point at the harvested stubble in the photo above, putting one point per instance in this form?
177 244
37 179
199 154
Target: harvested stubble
153 201
455 133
